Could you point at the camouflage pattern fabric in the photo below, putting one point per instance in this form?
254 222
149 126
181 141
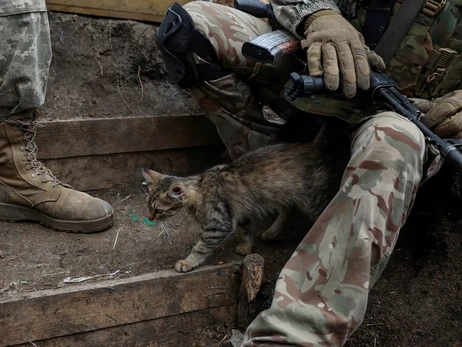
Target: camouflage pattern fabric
410 59
229 102
291 13
321 293
408 66
25 56
405 68
12 7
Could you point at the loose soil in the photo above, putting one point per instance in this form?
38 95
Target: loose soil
111 68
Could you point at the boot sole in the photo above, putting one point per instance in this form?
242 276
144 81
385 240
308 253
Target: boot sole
15 213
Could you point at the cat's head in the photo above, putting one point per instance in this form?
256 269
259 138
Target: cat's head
166 194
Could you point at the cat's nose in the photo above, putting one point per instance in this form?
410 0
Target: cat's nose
150 216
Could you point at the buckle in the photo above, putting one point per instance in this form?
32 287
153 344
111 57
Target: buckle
436 76
439 58
432 7
432 81
436 66
446 56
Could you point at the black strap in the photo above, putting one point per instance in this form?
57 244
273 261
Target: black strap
398 28
204 49
377 17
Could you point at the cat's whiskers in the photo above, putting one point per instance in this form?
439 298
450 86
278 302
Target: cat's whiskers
271 180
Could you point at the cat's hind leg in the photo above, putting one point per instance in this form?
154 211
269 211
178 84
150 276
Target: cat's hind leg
278 225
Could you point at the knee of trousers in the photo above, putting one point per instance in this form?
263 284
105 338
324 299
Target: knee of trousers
207 17
202 13
393 134
227 29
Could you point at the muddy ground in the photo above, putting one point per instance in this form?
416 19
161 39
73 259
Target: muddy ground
111 68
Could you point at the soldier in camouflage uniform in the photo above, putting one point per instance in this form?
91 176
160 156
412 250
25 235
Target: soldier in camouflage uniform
28 190
322 291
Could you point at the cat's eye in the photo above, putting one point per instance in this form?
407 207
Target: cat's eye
176 190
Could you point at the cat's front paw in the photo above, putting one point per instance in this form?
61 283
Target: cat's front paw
183 266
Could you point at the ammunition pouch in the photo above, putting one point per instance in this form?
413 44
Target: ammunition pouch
441 73
177 40
421 70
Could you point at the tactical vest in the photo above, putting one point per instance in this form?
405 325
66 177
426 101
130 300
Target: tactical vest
428 63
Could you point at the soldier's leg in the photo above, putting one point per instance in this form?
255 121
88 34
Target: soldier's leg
322 291
229 102
28 190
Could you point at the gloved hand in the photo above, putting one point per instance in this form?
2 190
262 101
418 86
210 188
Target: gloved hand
333 45
444 115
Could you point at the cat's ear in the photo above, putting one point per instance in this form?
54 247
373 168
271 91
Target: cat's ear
176 192
152 177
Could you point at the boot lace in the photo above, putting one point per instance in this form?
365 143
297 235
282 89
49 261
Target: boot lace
28 132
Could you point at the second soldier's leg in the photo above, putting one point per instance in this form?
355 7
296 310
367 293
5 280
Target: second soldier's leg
28 190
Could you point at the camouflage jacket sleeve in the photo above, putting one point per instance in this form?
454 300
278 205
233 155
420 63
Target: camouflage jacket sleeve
290 13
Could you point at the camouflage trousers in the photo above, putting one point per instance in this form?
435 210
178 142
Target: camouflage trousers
229 102
321 294
25 57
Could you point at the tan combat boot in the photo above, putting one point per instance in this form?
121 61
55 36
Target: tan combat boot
29 191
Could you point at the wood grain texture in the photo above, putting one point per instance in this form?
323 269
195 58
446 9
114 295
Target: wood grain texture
75 138
180 330
88 307
150 11
252 279
144 10
117 170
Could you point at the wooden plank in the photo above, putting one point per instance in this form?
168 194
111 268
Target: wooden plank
180 330
144 10
74 138
252 279
88 307
109 171
151 11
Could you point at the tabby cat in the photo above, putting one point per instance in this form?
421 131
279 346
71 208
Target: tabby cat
276 178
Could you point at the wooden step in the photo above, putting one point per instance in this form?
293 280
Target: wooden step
103 153
85 137
154 307
143 303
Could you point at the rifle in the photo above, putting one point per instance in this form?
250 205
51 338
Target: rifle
270 46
